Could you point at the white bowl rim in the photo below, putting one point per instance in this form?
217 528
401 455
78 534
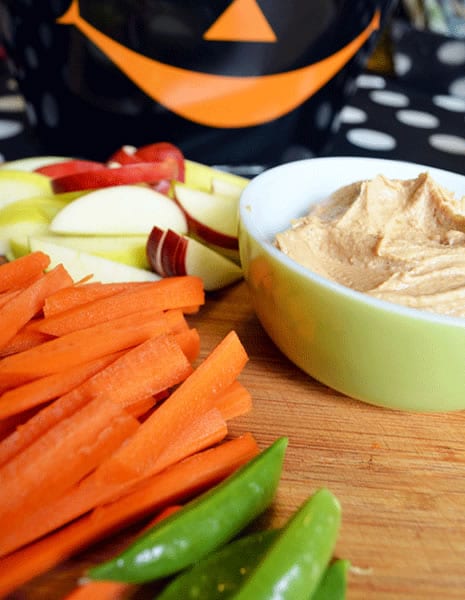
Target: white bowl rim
247 220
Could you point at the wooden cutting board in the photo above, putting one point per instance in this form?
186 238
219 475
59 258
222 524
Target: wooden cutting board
400 477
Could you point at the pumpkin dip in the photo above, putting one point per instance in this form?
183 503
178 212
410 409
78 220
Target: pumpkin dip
398 240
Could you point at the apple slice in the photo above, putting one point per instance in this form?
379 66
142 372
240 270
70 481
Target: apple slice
129 250
160 151
68 167
81 264
224 187
119 210
22 218
147 172
172 254
32 163
15 185
201 176
210 217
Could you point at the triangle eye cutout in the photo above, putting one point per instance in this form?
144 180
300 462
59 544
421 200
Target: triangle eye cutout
242 21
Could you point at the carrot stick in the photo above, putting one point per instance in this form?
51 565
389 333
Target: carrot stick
175 484
85 345
189 340
7 296
19 272
115 590
195 396
234 402
49 387
169 293
127 380
103 590
20 309
27 337
61 457
82 294
91 492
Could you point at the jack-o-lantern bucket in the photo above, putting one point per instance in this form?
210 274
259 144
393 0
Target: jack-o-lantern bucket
229 81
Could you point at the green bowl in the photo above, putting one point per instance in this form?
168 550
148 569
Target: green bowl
375 351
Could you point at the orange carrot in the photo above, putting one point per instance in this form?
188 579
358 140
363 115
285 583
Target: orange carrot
7 296
195 396
169 293
115 590
208 430
18 273
61 457
175 484
129 379
27 337
101 590
189 340
234 402
20 309
85 345
83 293
49 387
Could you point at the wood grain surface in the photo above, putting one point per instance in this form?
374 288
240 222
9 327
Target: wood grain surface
400 477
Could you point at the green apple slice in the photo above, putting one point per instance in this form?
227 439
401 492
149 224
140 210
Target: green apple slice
129 250
14 238
31 163
16 185
119 210
201 176
81 264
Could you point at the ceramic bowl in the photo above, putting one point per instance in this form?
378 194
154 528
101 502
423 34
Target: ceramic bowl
372 350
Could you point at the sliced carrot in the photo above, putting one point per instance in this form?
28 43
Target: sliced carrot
115 590
169 293
189 340
85 345
19 272
194 397
20 309
61 457
101 590
175 484
7 296
83 293
49 387
129 379
208 430
234 402
27 337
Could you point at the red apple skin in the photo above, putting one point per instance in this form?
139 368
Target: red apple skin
153 248
68 167
124 175
126 155
160 151
209 235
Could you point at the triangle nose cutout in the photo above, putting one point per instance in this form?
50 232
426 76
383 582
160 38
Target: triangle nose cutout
242 21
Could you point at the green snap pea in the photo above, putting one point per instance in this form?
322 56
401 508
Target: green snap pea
202 526
333 586
295 563
221 573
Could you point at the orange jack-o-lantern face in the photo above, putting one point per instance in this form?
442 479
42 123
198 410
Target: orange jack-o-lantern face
228 68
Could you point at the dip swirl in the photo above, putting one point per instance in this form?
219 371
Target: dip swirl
398 240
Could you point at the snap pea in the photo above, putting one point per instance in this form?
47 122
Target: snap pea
221 573
202 526
295 563
333 586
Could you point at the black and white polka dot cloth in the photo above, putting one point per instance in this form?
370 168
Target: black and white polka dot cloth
418 115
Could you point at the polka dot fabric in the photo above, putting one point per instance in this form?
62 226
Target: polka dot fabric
419 114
